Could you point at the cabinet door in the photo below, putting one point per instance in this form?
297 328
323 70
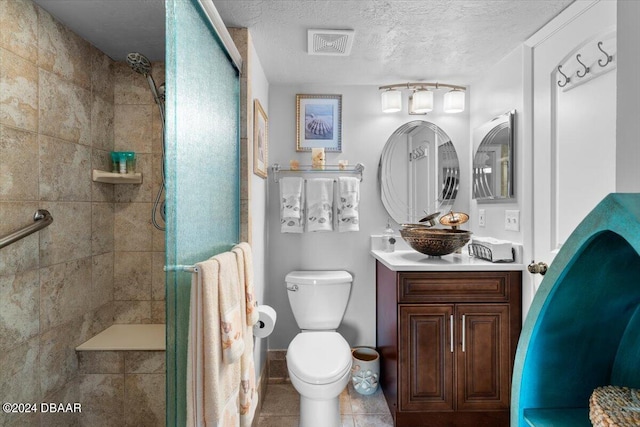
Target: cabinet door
483 370
426 357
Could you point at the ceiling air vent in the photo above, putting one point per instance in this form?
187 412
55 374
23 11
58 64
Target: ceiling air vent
329 42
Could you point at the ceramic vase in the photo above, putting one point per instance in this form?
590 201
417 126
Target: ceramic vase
365 370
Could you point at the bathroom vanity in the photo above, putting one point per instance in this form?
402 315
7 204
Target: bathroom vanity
447 331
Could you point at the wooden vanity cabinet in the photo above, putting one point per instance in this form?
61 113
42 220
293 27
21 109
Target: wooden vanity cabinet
447 342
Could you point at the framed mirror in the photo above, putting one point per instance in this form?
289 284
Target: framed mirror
418 172
493 160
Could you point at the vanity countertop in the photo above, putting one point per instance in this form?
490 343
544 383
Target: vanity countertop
410 260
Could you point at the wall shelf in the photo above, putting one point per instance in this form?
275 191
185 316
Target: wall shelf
338 170
116 178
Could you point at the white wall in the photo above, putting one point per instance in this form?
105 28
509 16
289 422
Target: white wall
500 90
258 199
364 134
628 98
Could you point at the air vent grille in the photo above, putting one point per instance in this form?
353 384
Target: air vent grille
329 42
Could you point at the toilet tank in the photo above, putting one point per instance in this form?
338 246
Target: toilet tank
318 298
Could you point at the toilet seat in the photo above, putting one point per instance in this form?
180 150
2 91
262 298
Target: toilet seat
319 357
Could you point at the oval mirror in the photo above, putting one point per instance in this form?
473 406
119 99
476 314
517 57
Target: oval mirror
493 160
418 172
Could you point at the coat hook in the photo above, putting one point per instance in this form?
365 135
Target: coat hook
586 69
566 79
608 57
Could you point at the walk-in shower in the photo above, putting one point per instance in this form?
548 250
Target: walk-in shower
141 64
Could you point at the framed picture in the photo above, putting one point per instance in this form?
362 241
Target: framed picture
260 137
319 122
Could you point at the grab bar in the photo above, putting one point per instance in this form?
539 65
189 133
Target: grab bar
41 218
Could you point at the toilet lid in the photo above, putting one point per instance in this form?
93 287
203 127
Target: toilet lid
319 357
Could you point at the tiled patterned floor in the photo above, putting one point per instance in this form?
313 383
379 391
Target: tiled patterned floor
282 404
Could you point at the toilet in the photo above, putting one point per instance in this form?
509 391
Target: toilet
319 358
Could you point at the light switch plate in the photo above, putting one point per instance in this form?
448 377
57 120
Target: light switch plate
512 220
481 218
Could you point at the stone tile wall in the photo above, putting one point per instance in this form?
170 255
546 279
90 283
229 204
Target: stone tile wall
100 261
139 247
113 380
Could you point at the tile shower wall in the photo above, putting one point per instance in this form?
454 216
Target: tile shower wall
56 286
100 262
138 279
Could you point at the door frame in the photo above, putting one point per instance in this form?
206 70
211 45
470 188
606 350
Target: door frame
573 11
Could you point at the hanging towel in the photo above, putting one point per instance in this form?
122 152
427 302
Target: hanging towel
231 314
212 386
243 253
248 396
348 203
291 205
320 204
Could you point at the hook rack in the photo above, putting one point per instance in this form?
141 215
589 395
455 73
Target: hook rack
583 70
334 169
566 78
586 69
609 58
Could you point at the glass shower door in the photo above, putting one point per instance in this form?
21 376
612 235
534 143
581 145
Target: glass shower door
202 166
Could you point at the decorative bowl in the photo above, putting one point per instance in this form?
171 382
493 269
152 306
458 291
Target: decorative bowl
435 241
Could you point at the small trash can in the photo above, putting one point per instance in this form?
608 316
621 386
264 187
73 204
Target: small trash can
365 370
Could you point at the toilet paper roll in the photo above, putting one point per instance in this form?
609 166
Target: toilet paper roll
266 321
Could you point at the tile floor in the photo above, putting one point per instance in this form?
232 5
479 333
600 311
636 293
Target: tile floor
282 404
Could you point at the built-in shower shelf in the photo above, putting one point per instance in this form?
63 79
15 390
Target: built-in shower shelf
117 178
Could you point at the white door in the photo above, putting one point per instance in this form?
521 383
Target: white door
573 125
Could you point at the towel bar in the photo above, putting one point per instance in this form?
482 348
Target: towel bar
187 268
333 169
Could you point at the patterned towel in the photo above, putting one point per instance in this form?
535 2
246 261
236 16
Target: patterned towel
213 387
231 315
320 204
291 205
248 395
348 203
244 256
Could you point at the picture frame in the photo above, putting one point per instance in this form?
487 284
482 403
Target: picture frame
319 122
260 140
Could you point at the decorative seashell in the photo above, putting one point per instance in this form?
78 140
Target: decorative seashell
318 126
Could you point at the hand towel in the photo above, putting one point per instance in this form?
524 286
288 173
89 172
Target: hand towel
320 204
231 314
212 386
348 203
291 189
291 205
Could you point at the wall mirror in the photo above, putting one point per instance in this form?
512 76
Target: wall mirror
493 160
418 172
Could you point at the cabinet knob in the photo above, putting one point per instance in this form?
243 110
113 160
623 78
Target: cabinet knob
537 268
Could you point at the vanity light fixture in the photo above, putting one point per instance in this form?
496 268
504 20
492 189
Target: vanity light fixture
421 100
391 100
454 101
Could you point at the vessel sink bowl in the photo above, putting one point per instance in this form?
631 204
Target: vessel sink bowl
435 241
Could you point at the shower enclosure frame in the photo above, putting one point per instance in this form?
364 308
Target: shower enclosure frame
202 134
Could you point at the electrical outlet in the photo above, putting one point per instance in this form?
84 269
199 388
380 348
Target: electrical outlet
512 220
481 218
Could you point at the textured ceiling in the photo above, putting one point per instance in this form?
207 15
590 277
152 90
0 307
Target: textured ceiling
395 40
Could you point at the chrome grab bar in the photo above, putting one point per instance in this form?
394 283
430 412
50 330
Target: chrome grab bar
42 218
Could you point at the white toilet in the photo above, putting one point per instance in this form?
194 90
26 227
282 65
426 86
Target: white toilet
319 358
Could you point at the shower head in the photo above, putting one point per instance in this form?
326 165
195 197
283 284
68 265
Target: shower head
139 63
